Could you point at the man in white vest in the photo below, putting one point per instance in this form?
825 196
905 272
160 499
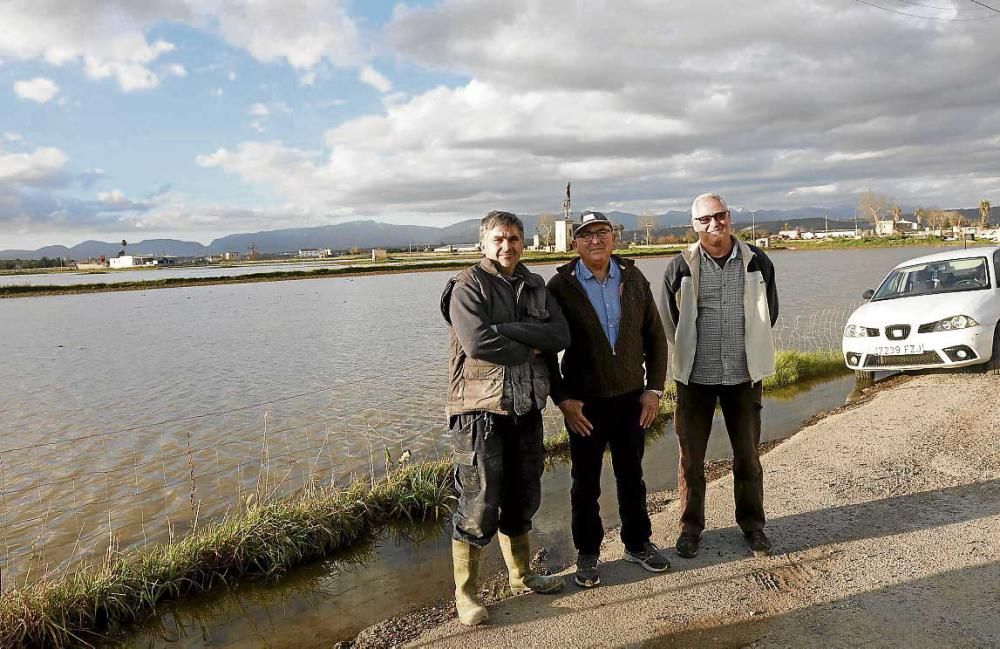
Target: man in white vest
719 305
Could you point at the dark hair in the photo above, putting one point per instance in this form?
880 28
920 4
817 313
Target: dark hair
497 218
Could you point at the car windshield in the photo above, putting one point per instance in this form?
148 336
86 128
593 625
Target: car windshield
947 276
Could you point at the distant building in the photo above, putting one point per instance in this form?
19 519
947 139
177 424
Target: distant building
315 253
131 261
790 234
889 227
379 254
231 256
458 247
836 234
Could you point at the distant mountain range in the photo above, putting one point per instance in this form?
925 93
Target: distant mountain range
369 234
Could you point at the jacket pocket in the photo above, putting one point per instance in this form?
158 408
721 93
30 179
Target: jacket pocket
540 383
483 386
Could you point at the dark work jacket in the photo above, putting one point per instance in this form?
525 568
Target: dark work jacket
591 368
494 327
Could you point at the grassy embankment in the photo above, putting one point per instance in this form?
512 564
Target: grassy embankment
263 540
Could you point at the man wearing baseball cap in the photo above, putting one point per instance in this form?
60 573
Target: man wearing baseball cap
608 389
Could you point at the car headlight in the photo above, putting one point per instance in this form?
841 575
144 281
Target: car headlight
858 331
949 324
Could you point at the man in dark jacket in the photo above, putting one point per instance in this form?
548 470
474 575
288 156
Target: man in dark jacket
609 389
720 302
501 320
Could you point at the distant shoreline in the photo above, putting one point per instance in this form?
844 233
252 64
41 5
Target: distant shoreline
389 268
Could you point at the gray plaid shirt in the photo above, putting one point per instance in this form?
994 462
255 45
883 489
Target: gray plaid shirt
720 357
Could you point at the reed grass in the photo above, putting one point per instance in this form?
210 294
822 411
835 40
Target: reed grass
265 539
262 541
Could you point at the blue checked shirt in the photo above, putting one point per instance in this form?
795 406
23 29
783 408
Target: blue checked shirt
604 296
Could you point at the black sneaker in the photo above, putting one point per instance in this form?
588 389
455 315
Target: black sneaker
649 557
586 571
687 544
758 542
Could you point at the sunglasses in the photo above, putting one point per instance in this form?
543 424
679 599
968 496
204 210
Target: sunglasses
594 235
718 216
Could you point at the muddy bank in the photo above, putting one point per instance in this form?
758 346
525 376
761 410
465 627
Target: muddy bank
883 516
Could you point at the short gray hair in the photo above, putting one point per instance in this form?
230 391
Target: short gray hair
496 218
705 197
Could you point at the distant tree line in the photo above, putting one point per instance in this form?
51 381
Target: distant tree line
20 264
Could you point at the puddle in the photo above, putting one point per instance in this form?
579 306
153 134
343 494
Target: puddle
406 568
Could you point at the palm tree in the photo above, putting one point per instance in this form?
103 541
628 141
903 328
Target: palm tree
984 213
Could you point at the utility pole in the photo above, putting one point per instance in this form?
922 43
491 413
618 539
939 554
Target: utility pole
649 228
753 225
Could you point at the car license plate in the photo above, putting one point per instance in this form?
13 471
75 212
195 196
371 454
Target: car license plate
898 350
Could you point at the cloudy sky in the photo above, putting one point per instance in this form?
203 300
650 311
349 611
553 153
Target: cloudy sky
196 118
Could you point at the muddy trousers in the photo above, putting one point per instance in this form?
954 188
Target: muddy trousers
499 461
741 406
616 424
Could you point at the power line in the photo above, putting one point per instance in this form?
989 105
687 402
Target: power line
986 6
912 15
926 6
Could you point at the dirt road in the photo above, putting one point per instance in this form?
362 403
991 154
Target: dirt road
886 524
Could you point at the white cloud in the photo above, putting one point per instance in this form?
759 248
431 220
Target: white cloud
106 36
176 70
11 137
39 89
109 37
259 110
373 78
43 166
303 33
115 196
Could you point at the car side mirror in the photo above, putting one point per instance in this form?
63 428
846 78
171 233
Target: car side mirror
868 294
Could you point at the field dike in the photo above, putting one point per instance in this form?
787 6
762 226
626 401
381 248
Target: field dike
264 540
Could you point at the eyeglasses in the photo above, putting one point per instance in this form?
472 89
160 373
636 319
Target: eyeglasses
718 216
594 235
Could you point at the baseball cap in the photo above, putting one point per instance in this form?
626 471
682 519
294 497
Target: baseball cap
590 217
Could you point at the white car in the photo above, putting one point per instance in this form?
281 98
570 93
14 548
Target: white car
941 310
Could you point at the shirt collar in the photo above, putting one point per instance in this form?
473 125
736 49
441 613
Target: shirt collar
732 255
585 273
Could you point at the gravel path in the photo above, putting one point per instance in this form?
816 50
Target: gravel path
886 524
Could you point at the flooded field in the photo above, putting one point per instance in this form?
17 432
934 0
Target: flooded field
128 416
